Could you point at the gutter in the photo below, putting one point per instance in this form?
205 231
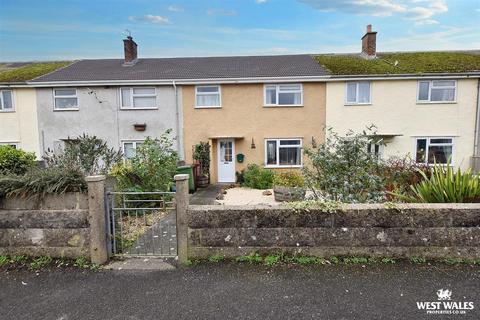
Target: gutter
179 135
476 146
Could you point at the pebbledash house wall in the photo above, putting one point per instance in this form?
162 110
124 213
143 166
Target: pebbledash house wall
20 126
99 113
404 230
243 116
394 110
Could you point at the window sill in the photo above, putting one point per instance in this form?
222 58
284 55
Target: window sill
129 109
357 104
66 109
7 111
282 166
283 105
436 102
206 107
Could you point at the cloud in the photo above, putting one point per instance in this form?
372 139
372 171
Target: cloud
221 12
175 8
419 11
150 19
260 1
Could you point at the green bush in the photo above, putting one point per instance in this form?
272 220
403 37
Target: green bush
445 186
201 153
256 177
15 161
288 179
39 182
151 169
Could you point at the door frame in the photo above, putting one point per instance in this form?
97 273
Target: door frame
218 159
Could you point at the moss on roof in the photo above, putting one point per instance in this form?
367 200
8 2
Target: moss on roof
413 63
19 72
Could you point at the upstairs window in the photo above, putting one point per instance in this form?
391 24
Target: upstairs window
437 91
138 98
283 152
284 95
433 150
207 97
357 92
6 101
65 99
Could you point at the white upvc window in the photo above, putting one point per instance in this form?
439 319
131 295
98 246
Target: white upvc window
65 99
11 144
6 101
430 150
129 148
283 94
376 149
208 96
437 91
138 98
283 153
358 92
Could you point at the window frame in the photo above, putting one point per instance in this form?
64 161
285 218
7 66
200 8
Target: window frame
452 144
12 144
2 109
55 108
277 92
277 140
357 85
430 82
132 96
134 141
208 93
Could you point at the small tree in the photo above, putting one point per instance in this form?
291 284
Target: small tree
15 161
89 154
201 153
343 169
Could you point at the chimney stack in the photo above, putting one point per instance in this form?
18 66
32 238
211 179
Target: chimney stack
130 50
369 43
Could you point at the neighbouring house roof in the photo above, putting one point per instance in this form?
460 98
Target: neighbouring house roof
401 63
19 72
188 68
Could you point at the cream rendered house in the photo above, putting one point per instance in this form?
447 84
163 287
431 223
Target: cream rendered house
425 105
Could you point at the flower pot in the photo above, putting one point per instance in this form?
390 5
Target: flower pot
140 126
202 181
287 194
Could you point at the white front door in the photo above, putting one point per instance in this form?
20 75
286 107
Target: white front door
226 163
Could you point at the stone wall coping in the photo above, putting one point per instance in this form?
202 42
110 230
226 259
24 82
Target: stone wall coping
180 177
95 178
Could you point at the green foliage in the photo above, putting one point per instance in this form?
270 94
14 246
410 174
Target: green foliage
415 62
343 170
15 161
446 186
151 169
251 258
256 177
271 260
201 153
323 205
388 260
216 258
83 263
40 262
355 260
417 260
89 154
39 182
29 71
4 260
288 179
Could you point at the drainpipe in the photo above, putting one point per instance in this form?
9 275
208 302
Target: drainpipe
476 147
179 133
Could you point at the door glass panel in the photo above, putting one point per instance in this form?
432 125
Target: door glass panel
227 155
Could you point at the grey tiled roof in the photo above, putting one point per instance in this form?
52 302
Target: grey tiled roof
188 68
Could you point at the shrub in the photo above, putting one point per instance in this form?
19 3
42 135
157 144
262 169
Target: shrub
343 170
445 186
201 153
151 169
256 177
89 154
288 179
39 182
15 161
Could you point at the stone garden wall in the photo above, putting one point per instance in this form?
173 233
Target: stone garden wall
424 230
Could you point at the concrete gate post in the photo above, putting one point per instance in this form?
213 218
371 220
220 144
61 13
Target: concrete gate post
182 200
96 218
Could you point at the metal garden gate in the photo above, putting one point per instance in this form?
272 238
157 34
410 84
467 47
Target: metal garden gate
141 224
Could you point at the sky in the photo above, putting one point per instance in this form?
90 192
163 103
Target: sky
40 30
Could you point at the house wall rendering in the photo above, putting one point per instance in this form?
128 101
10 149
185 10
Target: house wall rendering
101 112
395 111
243 117
19 126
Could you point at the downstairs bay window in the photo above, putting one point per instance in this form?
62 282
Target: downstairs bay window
433 150
283 153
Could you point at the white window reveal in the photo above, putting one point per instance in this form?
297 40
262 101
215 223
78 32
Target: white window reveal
357 92
207 97
130 148
283 152
6 101
437 91
138 98
65 99
284 95
433 150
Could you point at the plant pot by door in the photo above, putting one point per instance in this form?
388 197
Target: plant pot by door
202 181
